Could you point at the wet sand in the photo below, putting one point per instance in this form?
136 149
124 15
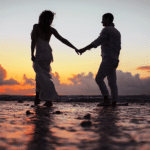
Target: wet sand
119 128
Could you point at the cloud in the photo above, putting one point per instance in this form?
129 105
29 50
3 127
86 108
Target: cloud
132 85
56 78
147 68
81 78
82 84
13 87
29 81
3 75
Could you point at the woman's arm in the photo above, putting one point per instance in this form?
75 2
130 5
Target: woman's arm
63 40
33 41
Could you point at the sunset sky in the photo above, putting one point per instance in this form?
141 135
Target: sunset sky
79 21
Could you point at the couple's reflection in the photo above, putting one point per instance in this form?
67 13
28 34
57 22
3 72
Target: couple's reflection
108 129
42 138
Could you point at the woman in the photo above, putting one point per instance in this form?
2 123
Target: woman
40 38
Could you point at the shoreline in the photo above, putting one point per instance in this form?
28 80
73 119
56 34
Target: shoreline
79 98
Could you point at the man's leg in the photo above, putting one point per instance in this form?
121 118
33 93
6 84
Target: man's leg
112 81
108 68
102 86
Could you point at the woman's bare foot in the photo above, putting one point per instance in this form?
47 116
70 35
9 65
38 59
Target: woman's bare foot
36 101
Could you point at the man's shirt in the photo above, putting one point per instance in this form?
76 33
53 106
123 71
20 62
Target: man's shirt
110 41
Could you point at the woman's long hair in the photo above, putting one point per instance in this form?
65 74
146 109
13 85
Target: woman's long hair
44 20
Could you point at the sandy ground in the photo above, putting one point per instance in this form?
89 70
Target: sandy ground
60 127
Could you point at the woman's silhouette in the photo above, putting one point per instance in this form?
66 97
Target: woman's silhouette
40 38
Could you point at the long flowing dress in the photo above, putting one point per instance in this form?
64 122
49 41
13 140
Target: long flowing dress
41 65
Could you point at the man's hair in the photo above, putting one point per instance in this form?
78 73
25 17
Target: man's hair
109 16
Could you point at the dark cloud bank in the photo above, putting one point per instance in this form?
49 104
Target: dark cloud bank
82 84
3 75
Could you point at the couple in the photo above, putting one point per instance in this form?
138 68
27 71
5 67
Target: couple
109 39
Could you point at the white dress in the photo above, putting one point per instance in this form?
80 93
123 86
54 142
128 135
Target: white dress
41 65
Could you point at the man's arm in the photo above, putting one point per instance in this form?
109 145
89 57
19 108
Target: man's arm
103 37
100 40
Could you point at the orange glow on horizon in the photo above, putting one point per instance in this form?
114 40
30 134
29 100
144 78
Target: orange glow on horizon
2 90
32 94
14 88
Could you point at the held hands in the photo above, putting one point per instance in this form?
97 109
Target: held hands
80 51
77 51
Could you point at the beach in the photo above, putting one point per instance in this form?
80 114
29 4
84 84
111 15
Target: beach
74 123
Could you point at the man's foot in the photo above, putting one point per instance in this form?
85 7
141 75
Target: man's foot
48 104
104 104
114 103
37 101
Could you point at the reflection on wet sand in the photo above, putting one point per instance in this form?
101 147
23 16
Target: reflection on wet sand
120 128
42 138
111 136
107 128
118 132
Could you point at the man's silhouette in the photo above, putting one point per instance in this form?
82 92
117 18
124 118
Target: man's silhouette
110 41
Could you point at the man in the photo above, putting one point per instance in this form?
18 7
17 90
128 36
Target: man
110 41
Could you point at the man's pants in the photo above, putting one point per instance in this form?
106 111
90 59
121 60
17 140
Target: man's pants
108 68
